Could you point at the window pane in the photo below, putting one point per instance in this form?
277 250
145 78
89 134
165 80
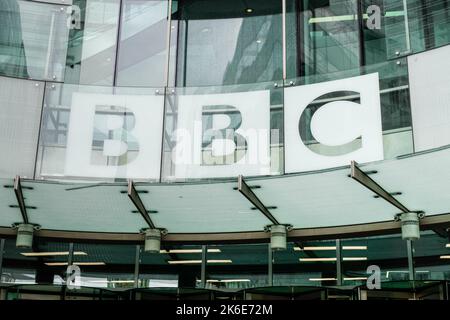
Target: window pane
322 37
20 113
33 39
92 47
228 42
143 53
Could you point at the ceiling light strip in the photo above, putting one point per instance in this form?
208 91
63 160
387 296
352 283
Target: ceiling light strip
50 254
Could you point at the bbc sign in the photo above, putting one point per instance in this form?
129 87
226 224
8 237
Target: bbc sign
326 125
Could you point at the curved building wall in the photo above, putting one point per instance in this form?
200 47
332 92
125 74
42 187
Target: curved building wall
114 89
122 89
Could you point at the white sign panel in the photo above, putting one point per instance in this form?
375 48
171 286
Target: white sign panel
324 130
222 135
115 136
429 80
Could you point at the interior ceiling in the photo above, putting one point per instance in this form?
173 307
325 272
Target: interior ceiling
206 9
378 249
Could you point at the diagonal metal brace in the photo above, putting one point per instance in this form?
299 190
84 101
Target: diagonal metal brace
134 197
366 181
20 199
247 192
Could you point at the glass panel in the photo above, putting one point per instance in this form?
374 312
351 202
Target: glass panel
92 207
10 213
142 55
322 37
389 38
40 264
429 22
302 264
247 269
20 114
229 211
101 132
430 178
322 199
33 39
388 253
105 265
430 98
92 48
228 42
223 132
432 256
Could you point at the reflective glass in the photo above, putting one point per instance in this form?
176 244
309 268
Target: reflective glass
142 56
227 42
430 98
20 114
91 55
33 39
385 30
429 23
322 37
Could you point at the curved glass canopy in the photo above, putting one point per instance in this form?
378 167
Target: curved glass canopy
311 200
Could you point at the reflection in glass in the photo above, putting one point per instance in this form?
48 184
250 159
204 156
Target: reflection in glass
12 52
91 52
142 48
322 37
225 43
20 110
33 39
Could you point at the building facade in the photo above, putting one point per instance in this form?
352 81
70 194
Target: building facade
214 122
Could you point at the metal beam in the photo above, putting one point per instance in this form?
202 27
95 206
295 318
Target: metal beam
366 181
20 199
339 262
2 248
70 257
134 197
137 261
270 266
251 196
411 269
203 267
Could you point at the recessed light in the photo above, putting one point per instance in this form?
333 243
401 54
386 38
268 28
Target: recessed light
354 248
111 281
447 245
189 251
248 10
317 259
226 280
356 279
332 259
197 261
355 259
322 279
330 248
58 264
49 254
315 249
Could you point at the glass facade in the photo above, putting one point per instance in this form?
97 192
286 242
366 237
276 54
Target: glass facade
96 92
230 266
201 48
